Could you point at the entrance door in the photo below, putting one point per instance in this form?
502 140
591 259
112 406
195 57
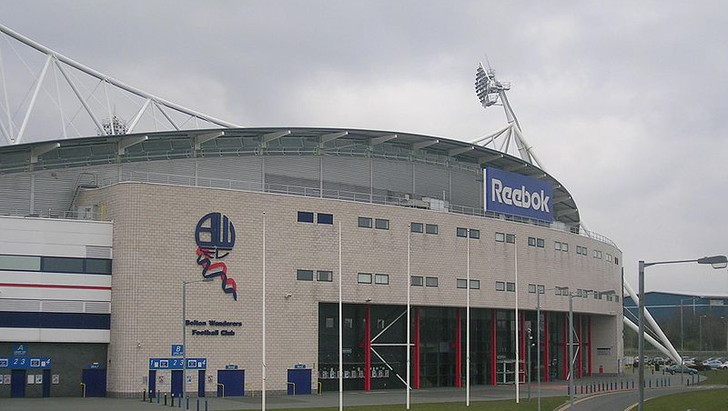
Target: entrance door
201 383
230 383
95 381
46 383
17 383
152 383
177 383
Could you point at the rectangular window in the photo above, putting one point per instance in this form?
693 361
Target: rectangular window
461 232
557 246
541 289
19 262
431 281
381 279
511 238
557 291
462 283
61 264
565 247
322 218
97 266
326 276
417 227
500 286
381 224
364 278
365 222
475 284
532 241
305 217
616 260
511 287
431 228
304 275
475 234
532 288
540 243
500 237
417 281
616 298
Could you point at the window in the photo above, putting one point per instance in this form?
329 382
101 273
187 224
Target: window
541 289
417 227
304 275
323 218
532 288
19 262
461 232
597 296
557 291
475 234
327 276
431 281
98 266
365 222
532 241
565 247
431 228
511 287
475 284
382 279
462 283
597 254
364 278
500 286
511 238
616 260
536 242
540 242
305 217
381 224
616 298
557 246
581 250
416 281
500 237
62 264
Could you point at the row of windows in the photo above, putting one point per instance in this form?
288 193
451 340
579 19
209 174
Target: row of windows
533 287
321 218
559 246
321 275
505 286
507 238
419 281
581 250
378 223
55 264
463 283
426 228
467 232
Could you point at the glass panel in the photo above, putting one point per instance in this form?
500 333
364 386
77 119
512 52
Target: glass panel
98 266
381 279
19 262
322 218
305 217
381 224
304 275
62 264
461 232
364 278
462 283
417 227
474 233
431 229
365 222
475 284
416 281
324 275
431 281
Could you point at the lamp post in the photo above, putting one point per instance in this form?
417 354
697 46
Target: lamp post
184 331
717 262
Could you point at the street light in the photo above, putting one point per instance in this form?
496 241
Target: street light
717 262
184 331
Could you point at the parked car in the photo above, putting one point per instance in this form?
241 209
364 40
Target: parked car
724 366
676 369
712 364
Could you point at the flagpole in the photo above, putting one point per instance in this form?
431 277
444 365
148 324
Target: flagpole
341 329
409 236
263 311
518 363
467 323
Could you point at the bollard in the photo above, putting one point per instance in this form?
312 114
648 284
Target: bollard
144 395
179 402
205 404
198 404
165 398
187 403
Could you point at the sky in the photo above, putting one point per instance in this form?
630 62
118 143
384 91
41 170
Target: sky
623 101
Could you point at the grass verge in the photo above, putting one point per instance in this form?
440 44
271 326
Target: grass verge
547 403
703 400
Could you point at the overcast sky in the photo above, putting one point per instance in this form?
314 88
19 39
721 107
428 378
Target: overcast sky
624 102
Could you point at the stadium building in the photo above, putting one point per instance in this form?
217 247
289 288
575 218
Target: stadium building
117 250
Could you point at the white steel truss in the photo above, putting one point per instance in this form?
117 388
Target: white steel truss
86 101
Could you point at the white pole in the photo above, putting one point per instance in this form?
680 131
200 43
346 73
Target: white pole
341 336
184 339
263 371
409 267
538 344
518 363
467 323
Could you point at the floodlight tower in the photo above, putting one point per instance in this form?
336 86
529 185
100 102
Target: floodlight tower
489 91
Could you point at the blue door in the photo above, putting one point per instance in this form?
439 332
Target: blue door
95 381
152 383
177 383
201 383
230 383
17 383
299 381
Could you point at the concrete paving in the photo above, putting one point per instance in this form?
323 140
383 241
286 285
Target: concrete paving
330 399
